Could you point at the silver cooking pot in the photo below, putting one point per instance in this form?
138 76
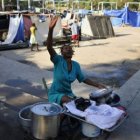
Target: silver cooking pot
45 120
105 96
100 95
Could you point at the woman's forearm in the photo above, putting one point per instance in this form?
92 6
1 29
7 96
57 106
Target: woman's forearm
92 83
49 39
50 43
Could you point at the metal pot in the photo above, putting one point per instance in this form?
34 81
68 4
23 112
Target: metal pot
113 99
45 120
25 118
101 95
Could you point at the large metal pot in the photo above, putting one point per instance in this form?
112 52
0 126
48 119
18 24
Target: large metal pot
45 120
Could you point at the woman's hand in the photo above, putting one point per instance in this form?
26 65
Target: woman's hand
53 22
101 86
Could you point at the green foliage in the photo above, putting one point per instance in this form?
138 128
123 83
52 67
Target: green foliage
121 3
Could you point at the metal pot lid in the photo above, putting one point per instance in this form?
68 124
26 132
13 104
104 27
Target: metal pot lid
101 93
46 109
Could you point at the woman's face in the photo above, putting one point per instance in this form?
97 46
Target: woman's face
67 51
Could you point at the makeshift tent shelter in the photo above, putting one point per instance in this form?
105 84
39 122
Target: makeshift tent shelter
13 29
43 28
16 30
97 27
127 16
13 26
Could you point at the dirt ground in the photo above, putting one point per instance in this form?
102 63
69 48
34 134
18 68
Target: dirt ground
112 61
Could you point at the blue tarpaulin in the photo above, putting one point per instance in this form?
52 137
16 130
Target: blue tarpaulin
20 32
84 11
114 13
116 21
125 16
134 18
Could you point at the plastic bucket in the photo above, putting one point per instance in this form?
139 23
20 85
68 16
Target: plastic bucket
90 130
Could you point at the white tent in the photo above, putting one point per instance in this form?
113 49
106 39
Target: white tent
86 27
43 28
2 3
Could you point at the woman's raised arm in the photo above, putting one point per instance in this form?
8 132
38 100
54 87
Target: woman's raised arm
50 48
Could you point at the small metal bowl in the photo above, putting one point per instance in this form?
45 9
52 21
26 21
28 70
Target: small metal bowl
25 118
113 100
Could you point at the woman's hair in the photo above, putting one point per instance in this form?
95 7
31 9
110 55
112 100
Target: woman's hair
65 45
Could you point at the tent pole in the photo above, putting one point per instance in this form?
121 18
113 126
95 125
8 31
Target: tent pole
91 5
29 4
18 7
3 8
53 4
43 6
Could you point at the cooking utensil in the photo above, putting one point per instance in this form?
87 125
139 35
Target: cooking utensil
25 117
45 120
100 95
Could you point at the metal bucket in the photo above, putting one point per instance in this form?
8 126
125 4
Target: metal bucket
90 130
25 118
45 120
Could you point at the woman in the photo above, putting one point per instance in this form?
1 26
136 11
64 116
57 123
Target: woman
66 71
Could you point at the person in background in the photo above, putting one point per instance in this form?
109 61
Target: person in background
66 71
79 29
75 33
33 41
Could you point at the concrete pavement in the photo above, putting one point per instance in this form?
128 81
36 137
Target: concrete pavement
18 82
130 98
16 76
21 74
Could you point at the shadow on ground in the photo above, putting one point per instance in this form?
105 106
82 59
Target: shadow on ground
114 74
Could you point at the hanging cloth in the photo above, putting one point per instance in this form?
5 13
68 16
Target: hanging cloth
13 29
